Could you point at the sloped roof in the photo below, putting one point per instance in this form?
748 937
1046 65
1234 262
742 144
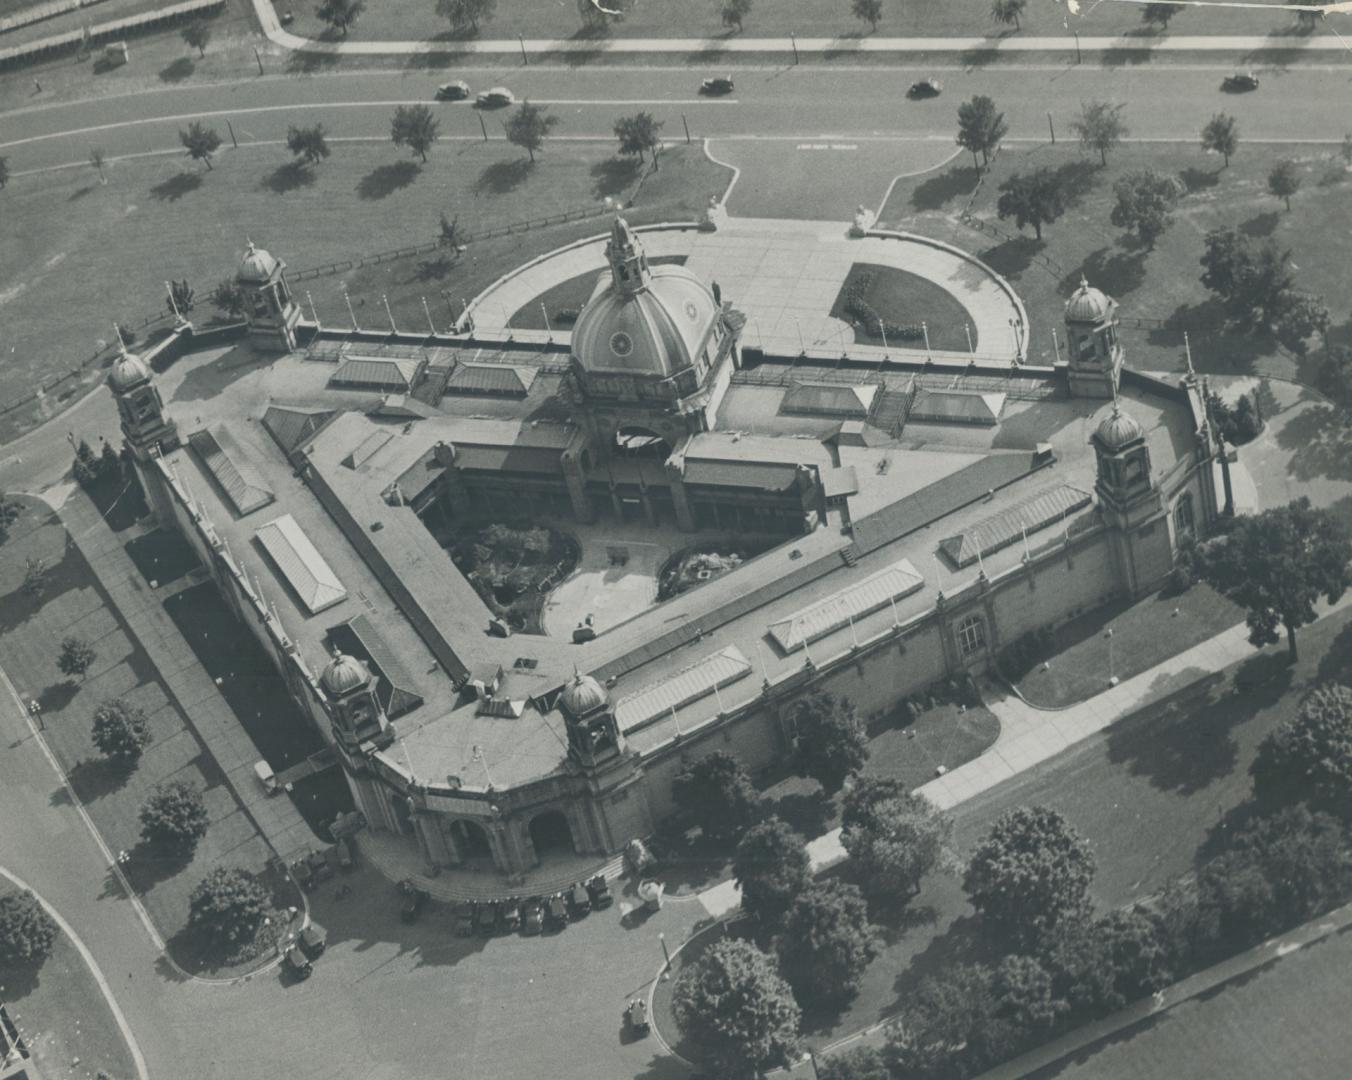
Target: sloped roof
765 476
394 685
365 450
497 380
998 531
839 609
702 678
829 399
401 406
299 561
395 374
229 464
957 406
291 425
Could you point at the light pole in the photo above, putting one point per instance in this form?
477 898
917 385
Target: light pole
666 956
1112 679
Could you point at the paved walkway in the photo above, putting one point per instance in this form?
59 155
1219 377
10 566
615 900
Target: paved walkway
785 276
212 718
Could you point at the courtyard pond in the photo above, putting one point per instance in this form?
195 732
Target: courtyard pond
513 567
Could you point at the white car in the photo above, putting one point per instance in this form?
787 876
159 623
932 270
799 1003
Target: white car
495 98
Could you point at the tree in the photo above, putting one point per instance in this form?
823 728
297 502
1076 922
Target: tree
894 836
826 942
466 14
34 577
942 1029
27 932
229 297
1007 12
85 469
1024 996
1031 874
1276 565
414 126
182 297
1037 199
737 1009
869 11
1301 316
227 907
308 144
639 134
830 744
200 141
174 817
1334 375
1309 757
529 126
1100 127
1284 181
340 14
449 233
98 159
1137 951
734 11
110 463
76 655
1221 136
861 1063
9 514
4 173
980 127
121 731
1145 201
771 868
1158 16
717 793
198 34
1251 277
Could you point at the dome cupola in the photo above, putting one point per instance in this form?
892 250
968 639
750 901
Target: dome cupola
582 695
257 266
1118 430
128 371
1088 304
343 674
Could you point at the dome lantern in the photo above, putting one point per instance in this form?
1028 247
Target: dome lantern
582 695
1088 304
1118 430
343 674
257 267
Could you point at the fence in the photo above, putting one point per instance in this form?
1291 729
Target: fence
29 16
79 40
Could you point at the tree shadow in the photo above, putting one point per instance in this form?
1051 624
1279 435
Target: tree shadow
1195 180
614 175
962 942
385 180
1012 257
1319 440
56 697
1336 663
20 981
978 57
1076 179
162 556
147 865
810 814
933 193
305 62
503 177
93 778
80 193
1116 272
1126 56
289 177
435 269
177 186
180 69
1261 225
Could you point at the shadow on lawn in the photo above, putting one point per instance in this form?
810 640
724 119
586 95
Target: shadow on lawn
503 177
289 177
1116 272
385 180
1012 257
1261 225
1318 439
962 942
178 185
1199 179
933 193
180 69
1336 663
614 175
93 778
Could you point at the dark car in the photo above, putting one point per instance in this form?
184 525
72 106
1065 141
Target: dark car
412 902
509 915
1240 82
296 963
313 939
495 98
599 890
556 912
579 901
486 919
457 90
464 919
716 86
636 1016
926 88
533 915
305 878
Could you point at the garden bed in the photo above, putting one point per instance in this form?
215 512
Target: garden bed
700 564
902 301
514 567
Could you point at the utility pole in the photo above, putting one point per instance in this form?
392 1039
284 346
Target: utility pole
1077 45
259 59
685 125
522 42
1051 128
482 126
230 128
794 40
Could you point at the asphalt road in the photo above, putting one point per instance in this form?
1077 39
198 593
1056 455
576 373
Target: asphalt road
1162 103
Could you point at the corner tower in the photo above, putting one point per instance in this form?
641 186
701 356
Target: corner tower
1130 501
146 427
356 712
1091 336
269 309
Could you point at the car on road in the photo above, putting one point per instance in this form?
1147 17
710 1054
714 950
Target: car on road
533 915
464 919
486 918
456 90
636 1016
314 939
717 86
413 900
925 88
495 98
1240 82
296 963
579 901
599 891
556 912
509 915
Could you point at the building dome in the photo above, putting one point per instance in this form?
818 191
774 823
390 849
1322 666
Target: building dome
128 370
1118 429
644 320
257 266
1088 304
344 673
583 695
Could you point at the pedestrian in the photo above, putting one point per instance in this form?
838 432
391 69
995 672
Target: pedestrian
37 87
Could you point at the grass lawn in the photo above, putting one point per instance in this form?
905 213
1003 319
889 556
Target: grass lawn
905 299
30 633
1162 286
61 1015
64 230
1145 633
566 299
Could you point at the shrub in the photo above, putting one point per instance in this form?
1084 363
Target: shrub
227 907
121 731
862 311
27 932
174 816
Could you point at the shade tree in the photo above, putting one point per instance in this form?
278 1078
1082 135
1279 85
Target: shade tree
1100 127
771 868
869 11
121 730
1007 12
467 14
1284 181
174 817
414 126
529 126
829 741
200 142
309 145
826 942
1309 756
1037 199
638 135
76 655
340 14
1145 204
980 127
227 907
894 837
716 792
27 932
1221 136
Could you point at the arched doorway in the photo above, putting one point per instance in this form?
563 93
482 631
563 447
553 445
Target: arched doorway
550 834
471 840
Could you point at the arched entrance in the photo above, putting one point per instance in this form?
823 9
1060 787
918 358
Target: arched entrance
471 840
550 834
636 441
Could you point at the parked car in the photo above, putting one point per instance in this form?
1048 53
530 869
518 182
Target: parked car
413 901
266 777
296 963
533 915
509 915
495 98
926 88
636 1016
1240 82
463 915
314 939
486 919
556 912
717 86
346 853
599 891
305 878
457 90
579 901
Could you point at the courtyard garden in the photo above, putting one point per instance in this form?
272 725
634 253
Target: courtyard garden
513 567
889 306
702 563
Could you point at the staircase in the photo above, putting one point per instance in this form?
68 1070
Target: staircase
890 414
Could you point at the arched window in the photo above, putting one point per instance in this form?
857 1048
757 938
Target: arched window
971 635
1184 525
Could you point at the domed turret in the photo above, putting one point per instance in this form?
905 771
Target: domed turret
257 266
1118 430
1088 304
343 674
128 371
582 695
